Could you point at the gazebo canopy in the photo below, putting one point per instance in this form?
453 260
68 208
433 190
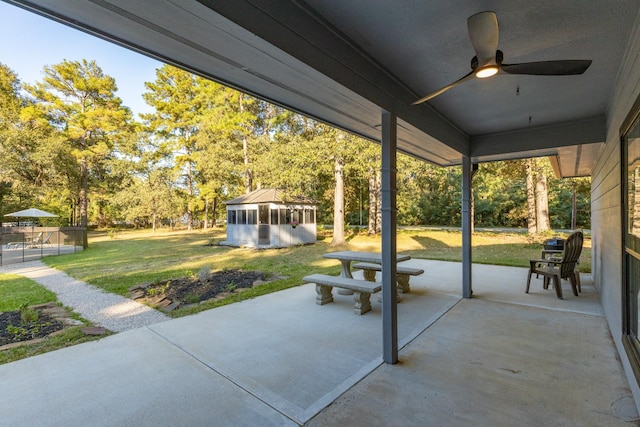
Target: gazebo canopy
32 213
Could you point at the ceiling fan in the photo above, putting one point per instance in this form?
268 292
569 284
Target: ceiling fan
483 32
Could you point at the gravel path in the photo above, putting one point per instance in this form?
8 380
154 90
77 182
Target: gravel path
111 311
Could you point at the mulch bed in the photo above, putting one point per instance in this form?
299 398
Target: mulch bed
13 329
38 323
176 293
169 295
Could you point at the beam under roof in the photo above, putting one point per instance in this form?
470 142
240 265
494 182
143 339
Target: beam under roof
298 31
586 131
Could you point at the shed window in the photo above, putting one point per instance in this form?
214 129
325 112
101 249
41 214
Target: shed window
284 218
252 216
231 217
242 216
274 216
263 214
309 217
294 216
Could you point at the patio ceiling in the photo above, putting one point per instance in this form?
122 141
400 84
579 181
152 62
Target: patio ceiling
343 61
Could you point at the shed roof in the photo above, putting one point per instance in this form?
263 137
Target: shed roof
270 195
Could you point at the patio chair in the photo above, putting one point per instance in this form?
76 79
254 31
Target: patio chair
46 240
560 267
27 242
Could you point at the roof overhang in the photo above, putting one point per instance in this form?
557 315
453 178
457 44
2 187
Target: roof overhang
573 146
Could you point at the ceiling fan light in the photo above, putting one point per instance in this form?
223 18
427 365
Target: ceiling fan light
488 71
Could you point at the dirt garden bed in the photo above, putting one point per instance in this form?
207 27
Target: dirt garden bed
183 292
32 324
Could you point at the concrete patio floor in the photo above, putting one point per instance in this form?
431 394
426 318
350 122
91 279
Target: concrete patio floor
501 358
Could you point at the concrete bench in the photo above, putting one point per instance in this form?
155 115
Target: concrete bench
403 273
362 290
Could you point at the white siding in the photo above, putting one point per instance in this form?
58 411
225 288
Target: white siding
279 235
606 215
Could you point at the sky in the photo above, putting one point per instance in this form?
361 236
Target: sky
29 42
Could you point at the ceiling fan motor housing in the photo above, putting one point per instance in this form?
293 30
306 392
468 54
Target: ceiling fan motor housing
499 58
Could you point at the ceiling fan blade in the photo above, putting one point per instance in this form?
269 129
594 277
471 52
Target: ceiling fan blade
483 32
444 89
568 67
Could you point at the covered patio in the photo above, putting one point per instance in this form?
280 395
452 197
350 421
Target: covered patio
360 66
502 358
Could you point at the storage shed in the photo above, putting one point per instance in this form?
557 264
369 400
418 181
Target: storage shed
269 218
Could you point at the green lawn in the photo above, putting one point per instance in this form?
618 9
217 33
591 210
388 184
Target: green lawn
17 291
495 248
115 264
117 261
133 258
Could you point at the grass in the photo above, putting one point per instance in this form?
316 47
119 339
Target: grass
133 258
17 292
70 336
117 261
494 248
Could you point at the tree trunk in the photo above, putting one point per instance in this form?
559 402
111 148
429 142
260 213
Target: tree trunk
190 191
378 202
472 211
214 208
206 213
248 183
84 189
72 214
542 202
360 206
153 227
531 198
76 212
248 179
338 204
84 202
373 202
574 208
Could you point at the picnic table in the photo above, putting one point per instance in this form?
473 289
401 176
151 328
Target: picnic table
346 284
347 257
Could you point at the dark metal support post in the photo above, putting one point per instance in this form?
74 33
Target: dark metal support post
466 226
389 280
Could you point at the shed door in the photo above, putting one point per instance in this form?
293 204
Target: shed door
264 237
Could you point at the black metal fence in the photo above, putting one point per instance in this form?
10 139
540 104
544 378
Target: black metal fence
22 244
